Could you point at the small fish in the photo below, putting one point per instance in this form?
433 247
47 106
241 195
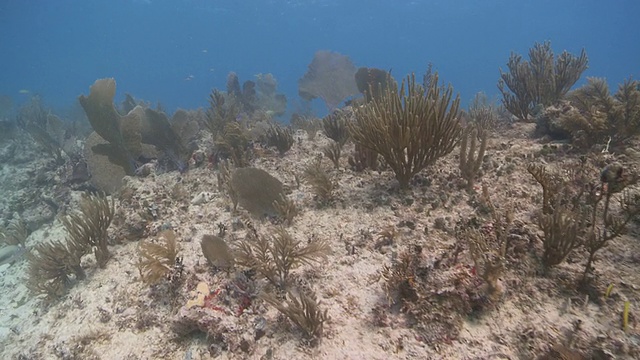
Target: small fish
189 78
24 91
205 51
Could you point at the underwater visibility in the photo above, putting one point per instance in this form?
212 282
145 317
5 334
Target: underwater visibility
322 179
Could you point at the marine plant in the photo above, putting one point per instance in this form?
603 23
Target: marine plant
543 80
87 229
410 128
275 255
157 259
303 309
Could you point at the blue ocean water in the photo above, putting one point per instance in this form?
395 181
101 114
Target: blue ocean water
175 52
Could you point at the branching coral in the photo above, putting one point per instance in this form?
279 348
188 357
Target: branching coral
220 113
52 266
562 234
46 129
303 310
274 256
335 127
15 234
543 80
471 156
280 137
410 128
157 259
322 185
595 116
88 229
